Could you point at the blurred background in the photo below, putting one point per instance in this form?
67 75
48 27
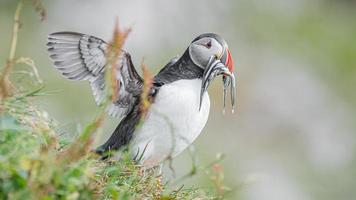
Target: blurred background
294 133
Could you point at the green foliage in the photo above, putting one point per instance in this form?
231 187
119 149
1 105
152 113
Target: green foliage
36 164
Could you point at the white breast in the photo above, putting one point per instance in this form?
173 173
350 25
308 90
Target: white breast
173 122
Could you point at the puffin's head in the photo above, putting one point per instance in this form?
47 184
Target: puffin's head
210 52
207 45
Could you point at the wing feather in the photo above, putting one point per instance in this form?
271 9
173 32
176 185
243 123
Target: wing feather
82 57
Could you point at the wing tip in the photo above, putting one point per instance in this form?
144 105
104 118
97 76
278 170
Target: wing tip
59 33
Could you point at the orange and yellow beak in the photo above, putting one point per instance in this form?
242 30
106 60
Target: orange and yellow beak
229 62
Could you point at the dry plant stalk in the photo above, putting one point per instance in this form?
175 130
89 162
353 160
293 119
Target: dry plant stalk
30 63
5 84
146 90
113 55
37 4
81 146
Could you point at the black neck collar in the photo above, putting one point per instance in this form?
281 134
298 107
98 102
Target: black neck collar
184 68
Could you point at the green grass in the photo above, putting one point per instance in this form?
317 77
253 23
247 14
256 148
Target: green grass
36 164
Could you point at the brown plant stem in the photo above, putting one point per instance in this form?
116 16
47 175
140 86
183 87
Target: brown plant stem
113 55
147 85
5 84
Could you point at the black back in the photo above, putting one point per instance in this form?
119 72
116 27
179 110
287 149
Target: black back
183 68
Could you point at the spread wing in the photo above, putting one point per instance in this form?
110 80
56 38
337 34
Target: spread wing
82 57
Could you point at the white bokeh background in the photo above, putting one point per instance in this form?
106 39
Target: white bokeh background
293 136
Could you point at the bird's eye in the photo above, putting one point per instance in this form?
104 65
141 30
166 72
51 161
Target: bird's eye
208 45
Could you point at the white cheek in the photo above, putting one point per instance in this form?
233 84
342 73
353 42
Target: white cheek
197 53
200 55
